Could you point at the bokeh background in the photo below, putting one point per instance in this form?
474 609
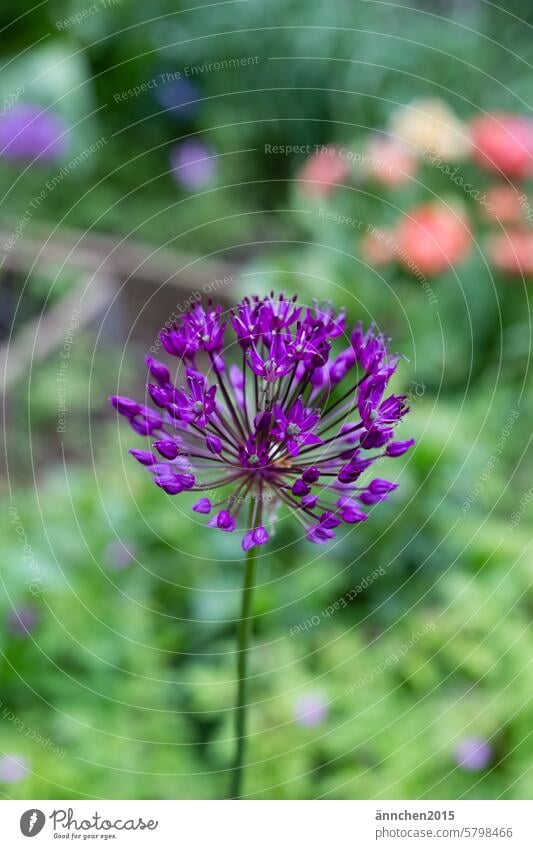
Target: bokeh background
375 153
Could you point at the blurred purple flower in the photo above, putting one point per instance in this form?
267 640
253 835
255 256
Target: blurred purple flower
473 753
311 710
193 164
29 132
13 768
179 97
21 620
119 554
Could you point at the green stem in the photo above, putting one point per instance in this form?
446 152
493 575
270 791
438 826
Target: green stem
244 631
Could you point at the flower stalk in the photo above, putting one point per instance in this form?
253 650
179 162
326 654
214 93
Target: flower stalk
243 644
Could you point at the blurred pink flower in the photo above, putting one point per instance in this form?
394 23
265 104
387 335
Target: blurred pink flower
311 710
389 161
473 753
504 142
503 204
322 171
433 237
512 252
193 164
13 768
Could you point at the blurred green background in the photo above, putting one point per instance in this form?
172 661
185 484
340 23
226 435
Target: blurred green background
396 665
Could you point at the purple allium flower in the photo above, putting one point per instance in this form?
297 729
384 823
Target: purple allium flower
193 164
473 753
264 430
30 132
311 710
13 768
22 620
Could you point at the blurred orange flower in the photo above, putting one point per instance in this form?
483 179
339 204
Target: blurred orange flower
512 251
504 142
432 237
503 203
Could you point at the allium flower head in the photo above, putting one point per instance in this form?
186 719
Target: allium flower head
193 164
264 411
311 710
22 620
28 131
473 753
13 768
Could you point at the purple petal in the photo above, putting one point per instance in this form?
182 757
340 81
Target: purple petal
311 475
159 396
396 449
158 370
224 521
349 473
320 535
375 438
125 406
330 520
146 458
260 535
352 515
373 498
300 488
168 448
248 541
170 485
213 443
202 506
379 486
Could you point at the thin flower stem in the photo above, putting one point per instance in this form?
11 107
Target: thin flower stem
244 632
212 484
299 389
244 398
223 436
290 380
353 389
340 436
